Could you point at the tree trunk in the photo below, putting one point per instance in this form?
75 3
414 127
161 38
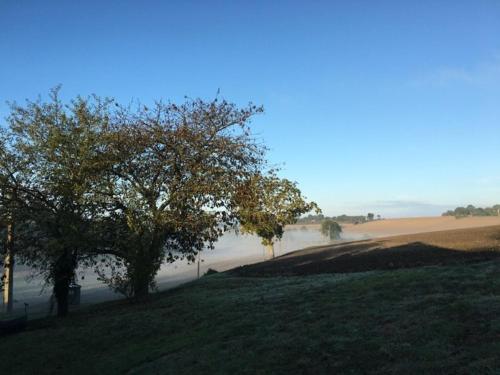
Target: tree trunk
145 266
141 290
64 271
8 291
141 278
270 250
61 291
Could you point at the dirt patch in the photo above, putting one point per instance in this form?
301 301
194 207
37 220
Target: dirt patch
416 250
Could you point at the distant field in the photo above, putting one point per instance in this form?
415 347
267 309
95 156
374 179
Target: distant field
405 251
394 227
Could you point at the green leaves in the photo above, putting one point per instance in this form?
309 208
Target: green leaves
175 169
52 166
266 204
143 186
331 229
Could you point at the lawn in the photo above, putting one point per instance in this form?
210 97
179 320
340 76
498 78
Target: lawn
418 320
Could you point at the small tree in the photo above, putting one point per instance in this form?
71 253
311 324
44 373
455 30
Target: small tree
266 204
370 216
331 229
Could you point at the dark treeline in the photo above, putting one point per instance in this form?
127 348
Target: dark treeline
344 219
123 189
470 210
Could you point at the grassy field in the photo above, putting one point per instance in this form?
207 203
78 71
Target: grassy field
429 304
420 320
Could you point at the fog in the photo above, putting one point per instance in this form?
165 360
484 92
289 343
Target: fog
232 250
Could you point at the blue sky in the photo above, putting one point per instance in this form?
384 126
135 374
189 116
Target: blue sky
386 106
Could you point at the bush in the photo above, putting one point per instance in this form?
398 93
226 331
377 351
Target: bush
331 229
210 271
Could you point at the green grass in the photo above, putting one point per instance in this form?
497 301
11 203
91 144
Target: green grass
414 321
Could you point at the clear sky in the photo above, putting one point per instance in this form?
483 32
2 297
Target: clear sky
384 106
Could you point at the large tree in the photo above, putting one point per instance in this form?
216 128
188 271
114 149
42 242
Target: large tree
266 204
171 188
55 163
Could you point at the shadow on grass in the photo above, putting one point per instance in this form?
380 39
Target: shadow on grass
364 256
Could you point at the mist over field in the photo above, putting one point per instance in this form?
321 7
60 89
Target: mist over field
234 250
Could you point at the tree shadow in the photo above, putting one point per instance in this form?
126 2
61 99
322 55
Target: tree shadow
364 256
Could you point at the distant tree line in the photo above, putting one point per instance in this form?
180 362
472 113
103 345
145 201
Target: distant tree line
344 219
470 210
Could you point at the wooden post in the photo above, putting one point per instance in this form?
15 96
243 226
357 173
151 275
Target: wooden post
8 290
198 266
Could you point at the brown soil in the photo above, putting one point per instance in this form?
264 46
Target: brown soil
394 227
414 250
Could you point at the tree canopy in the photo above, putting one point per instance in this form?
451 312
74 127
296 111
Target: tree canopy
51 166
122 188
266 204
169 191
331 229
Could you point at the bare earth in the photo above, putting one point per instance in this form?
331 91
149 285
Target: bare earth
393 227
404 251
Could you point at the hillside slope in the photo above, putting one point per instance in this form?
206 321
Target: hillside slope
406 251
433 320
421 320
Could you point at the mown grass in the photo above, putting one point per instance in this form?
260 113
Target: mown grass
420 320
